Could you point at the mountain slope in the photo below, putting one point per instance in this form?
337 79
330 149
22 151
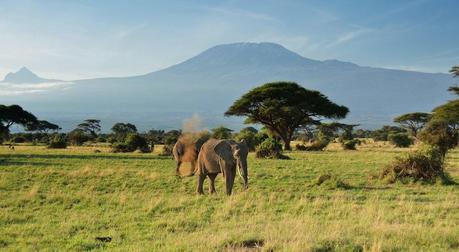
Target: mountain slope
23 76
209 82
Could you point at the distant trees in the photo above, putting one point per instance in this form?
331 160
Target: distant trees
283 107
413 121
221 133
121 130
42 126
383 133
90 126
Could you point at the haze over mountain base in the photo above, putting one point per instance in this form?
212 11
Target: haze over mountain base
210 82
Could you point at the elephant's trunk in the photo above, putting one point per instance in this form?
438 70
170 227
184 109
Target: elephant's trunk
242 170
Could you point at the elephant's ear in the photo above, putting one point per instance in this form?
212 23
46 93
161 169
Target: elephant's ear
222 149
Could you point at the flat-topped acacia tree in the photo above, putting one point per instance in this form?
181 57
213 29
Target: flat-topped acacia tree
414 122
14 114
283 107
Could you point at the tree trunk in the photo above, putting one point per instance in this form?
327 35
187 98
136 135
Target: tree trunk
287 144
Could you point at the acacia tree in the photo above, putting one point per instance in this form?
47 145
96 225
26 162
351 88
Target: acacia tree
42 126
14 114
442 129
454 71
283 107
413 121
90 126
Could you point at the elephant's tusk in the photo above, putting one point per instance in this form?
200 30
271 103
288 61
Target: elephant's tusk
239 172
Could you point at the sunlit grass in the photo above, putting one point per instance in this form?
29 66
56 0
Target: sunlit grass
63 199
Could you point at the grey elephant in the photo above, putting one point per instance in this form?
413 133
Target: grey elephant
186 149
222 156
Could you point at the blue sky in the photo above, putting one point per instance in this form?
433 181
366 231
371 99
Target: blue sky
84 39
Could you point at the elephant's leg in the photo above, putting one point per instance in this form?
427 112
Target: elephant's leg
201 179
212 183
229 181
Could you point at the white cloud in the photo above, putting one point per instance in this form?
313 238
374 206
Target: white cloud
11 89
346 37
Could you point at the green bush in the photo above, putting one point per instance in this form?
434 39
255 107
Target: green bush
133 142
59 141
270 148
18 139
101 139
137 142
77 137
120 147
400 140
350 144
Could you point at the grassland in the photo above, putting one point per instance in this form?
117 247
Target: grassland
64 199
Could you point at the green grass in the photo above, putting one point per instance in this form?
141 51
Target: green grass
64 199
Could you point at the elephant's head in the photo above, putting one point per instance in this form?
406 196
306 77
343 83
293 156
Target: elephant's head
240 151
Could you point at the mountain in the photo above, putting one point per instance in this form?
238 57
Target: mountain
208 83
24 75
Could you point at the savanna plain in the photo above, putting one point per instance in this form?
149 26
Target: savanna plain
72 199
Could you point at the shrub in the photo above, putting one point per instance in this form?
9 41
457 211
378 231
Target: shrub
318 145
59 141
77 137
133 142
400 140
424 165
350 144
18 139
330 181
270 148
101 139
121 147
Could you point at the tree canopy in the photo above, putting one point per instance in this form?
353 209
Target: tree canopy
15 114
455 71
413 121
90 126
221 133
283 107
442 129
122 130
42 126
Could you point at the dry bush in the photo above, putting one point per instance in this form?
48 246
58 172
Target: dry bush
300 147
331 181
319 145
424 165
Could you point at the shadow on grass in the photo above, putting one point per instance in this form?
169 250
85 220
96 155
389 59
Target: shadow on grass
5 162
82 157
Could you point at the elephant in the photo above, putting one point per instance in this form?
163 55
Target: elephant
186 149
222 156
